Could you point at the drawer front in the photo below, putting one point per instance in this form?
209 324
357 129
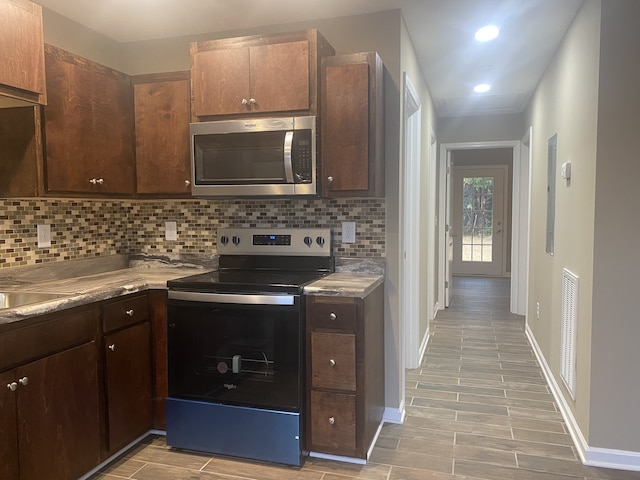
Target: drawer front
333 422
56 333
128 311
326 312
333 361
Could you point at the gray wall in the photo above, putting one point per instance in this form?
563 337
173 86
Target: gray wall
615 357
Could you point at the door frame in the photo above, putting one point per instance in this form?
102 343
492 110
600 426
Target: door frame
520 210
411 211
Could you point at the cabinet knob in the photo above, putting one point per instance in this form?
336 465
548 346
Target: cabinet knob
100 181
129 312
112 347
187 183
245 101
333 316
332 420
332 362
12 386
329 179
24 381
252 101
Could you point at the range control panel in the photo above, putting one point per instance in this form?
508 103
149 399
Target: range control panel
274 241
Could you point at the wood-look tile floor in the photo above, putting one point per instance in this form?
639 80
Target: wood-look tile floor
478 408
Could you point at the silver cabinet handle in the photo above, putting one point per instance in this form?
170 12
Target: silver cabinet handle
333 316
12 386
244 101
96 181
187 183
100 181
112 347
252 101
129 312
332 420
329 179
24 381
332 362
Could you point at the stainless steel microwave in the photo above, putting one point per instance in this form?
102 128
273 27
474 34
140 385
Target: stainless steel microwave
256 157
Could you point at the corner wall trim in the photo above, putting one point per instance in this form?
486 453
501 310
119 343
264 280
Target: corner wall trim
394 415
590 456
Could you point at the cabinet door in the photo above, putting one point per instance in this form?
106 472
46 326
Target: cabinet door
58 415
8 427
280 77
220 80
128 367
88 127
22 47
352 126
162 117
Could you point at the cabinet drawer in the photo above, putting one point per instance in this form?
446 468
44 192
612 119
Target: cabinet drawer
326 312
56 333
333 361
125 312
333 421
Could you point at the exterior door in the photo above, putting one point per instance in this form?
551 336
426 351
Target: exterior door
478 220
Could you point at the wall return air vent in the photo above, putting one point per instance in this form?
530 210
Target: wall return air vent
569 330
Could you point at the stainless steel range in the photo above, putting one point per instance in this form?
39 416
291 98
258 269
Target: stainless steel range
236 345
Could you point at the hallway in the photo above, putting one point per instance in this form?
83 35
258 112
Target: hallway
477 409
478 406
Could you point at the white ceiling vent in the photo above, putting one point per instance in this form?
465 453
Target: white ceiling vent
569 327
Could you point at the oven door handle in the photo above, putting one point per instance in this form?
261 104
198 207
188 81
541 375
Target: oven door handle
240 299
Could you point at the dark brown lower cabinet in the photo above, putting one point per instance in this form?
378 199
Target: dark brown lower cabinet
8 426
345 373
127 373
54 402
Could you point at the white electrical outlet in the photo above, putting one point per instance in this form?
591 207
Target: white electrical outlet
348 232
170 230
44 236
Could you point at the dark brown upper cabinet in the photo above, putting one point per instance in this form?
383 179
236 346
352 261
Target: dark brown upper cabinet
352 126
257 75
88 127
162 116
22 72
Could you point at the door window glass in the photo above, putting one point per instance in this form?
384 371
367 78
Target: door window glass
477 219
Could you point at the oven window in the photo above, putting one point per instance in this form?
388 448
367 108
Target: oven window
239 158
235 354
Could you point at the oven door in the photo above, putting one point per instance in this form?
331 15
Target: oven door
235 349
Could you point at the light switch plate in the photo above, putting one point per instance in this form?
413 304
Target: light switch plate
170 230
44 236
348 232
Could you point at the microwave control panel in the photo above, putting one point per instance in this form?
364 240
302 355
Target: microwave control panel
302 157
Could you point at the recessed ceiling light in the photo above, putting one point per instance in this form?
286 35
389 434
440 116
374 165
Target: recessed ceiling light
482 88
487 33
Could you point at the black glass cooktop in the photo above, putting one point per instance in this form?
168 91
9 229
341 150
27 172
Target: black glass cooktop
246 281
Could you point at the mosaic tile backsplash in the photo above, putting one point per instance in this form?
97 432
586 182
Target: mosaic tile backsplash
89 228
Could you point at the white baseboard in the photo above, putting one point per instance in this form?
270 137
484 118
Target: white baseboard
394 415
590 456
423 347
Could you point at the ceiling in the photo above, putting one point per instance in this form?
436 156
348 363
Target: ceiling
442 33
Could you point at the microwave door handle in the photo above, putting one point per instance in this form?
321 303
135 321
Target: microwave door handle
288 166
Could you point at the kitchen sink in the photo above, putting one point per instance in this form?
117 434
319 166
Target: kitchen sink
18 299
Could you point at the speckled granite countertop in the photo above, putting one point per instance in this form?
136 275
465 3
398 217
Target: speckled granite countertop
345 284
87 281
92 280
